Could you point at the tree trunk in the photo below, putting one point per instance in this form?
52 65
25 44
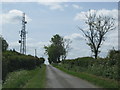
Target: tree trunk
96 54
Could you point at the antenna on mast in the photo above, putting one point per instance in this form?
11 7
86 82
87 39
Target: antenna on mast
23 33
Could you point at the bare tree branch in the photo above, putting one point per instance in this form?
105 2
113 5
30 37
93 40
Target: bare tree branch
98 27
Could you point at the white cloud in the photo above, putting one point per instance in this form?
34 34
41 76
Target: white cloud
112 13
30 39
13 16
13 44
66 5
78 46
37 44
58 5
80 16
76 6
111 39
110 42
53 5
53 0
74 36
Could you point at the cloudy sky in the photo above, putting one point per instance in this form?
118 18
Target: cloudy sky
46 19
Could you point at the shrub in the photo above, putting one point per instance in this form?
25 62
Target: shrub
12 61
105 67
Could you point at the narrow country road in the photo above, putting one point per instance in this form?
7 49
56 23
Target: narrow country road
59 79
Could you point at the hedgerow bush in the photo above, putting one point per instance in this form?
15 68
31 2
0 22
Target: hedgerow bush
12 61
106 67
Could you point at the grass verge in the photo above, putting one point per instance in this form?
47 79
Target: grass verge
96 80
25 78
38 81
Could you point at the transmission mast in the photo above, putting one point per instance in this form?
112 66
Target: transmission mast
23 33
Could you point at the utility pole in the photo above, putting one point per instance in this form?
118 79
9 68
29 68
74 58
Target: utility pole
22 41
35 53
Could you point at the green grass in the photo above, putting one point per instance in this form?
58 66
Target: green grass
38 81
0 85
98 81
25 78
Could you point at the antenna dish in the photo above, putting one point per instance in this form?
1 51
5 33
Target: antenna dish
19 41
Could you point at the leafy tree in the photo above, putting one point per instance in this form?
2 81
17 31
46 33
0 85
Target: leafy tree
4 44
55 50
98 26
113 56
58 49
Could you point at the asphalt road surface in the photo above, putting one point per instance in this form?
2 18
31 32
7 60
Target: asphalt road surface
59 79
